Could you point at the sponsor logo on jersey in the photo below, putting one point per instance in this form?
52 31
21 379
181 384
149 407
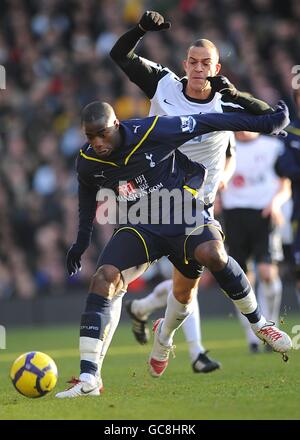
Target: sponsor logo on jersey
188 123
167 102
136 189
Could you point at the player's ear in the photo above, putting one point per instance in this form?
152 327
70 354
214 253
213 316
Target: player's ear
116 123
218 68
184 63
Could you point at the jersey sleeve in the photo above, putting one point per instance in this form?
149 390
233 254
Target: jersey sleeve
245 102
288 164
144 73
178 130
87 205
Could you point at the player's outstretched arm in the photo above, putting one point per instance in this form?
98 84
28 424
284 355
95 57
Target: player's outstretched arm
272 123
145 74
87 211
174 131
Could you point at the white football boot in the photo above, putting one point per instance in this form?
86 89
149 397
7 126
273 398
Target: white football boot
277 339
80 388
159 357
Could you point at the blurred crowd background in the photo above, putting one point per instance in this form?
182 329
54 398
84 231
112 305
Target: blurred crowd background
56 56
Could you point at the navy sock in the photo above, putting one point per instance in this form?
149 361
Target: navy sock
253 317
96 303
94 324
232 280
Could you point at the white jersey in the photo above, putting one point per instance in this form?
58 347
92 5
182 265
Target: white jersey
254 182
209 149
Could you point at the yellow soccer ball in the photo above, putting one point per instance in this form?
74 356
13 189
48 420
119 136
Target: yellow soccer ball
34 374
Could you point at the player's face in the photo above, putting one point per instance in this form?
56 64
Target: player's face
102 135
201 62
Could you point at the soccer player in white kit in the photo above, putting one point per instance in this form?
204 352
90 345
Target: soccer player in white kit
201 91
252 212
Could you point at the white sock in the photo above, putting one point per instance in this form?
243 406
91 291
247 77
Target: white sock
192 331
87 377
175 314
90 349
115 312
157 299
250 336
264 306
272 293
248 304
258 325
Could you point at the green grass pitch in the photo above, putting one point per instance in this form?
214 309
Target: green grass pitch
248 386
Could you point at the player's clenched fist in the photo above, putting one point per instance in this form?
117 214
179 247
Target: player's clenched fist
222 85
153 21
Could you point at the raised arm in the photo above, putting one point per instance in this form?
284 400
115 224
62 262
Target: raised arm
144 73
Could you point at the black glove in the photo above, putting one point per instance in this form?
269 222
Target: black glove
153 21
222 85
73 258
281 107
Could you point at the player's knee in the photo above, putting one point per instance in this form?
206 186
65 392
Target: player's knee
106 281
183 294
212 254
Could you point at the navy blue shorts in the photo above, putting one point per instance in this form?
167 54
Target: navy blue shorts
134 245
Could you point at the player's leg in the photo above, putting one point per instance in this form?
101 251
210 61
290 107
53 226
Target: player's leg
270 289
140 309
116 269
191 326
115 311
296 254
239 243
179 307
235 284
267 250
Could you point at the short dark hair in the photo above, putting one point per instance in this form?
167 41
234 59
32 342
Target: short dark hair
203 42
96 110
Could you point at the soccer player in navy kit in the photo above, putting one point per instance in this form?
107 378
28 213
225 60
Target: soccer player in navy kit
119 152
171 95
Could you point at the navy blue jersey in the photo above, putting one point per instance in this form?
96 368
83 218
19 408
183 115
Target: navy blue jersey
146 161
288 164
